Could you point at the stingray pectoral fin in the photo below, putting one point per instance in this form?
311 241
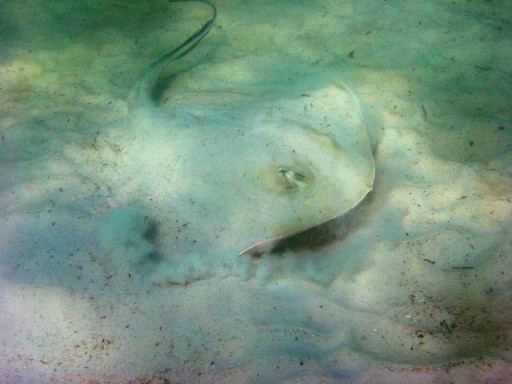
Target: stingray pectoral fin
315 172
268 245
321 202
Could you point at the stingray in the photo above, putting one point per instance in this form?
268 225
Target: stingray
243 170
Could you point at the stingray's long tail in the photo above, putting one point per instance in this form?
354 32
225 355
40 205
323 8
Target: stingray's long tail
146 83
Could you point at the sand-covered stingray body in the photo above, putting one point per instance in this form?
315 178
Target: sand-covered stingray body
245 170
257 169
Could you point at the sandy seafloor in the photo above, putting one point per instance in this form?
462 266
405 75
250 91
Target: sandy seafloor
414 286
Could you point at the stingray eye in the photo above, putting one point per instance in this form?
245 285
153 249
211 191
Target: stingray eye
291 179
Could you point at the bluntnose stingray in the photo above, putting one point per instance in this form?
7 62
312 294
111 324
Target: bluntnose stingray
246 170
